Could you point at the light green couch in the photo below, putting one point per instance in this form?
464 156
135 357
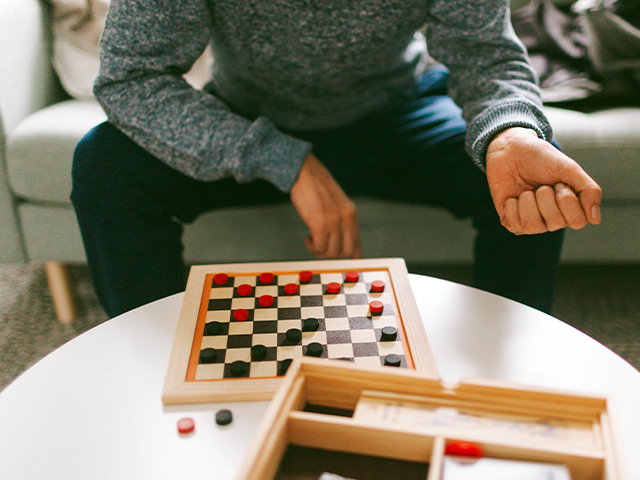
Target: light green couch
42 128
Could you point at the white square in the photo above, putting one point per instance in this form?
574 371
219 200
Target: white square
224 292
363 336
373 361
265 314
235 354
264 369
210 371
245 280
375 275
383 297
219 342
266 339
267 290
240 328
289 302
385 321
334 300
286 352
310 337
340 350
247 303
358 311
312 312
289 278
330 277
386 348
219 316
313 289
354 288
332 324
284 325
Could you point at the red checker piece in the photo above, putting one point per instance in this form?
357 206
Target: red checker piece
463 449
306 276
265 300
377 286
245 290
220 278
376 306
334 287
291 288
352 276
186 425
241 314
266 278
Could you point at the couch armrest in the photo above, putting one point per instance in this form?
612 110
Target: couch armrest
11 244
27 80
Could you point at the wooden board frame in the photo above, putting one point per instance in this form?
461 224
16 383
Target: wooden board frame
179 389
587 442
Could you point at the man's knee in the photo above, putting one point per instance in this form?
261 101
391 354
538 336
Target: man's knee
99 168
89 157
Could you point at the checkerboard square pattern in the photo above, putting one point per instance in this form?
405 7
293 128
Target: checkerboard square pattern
346 328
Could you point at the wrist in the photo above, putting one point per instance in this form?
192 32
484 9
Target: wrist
508 137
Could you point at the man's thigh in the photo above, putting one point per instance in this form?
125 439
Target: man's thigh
414 153
112 173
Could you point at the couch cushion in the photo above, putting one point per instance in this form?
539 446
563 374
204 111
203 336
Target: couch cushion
606 143
51 232
387 229
40 149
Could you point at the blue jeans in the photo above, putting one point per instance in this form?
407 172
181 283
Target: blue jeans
131 206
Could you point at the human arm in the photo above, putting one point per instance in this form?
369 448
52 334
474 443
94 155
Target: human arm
491 78
536 188
327 211
146 48
507 132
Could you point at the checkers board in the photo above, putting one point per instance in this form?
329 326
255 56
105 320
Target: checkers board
241 325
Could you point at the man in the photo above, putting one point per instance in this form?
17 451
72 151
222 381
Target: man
315 100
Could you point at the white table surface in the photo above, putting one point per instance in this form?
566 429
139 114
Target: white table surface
92 409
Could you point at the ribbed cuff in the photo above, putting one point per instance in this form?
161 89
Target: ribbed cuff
490 123
277 158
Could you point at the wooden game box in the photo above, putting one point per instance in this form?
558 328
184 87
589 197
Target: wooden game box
393 423
242 324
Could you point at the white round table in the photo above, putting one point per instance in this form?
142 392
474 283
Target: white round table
92 409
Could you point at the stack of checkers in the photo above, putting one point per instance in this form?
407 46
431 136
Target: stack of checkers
257 324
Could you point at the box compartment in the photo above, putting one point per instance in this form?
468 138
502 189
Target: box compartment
406 417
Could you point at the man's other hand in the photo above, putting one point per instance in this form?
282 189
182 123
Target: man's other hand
327 211
536 188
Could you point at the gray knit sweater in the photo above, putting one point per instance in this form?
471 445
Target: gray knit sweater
296 65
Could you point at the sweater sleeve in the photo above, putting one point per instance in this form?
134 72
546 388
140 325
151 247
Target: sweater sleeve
146 47
491 78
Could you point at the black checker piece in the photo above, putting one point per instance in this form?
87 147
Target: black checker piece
216 328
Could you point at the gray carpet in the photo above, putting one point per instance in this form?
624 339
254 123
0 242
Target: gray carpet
28 327
602 301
